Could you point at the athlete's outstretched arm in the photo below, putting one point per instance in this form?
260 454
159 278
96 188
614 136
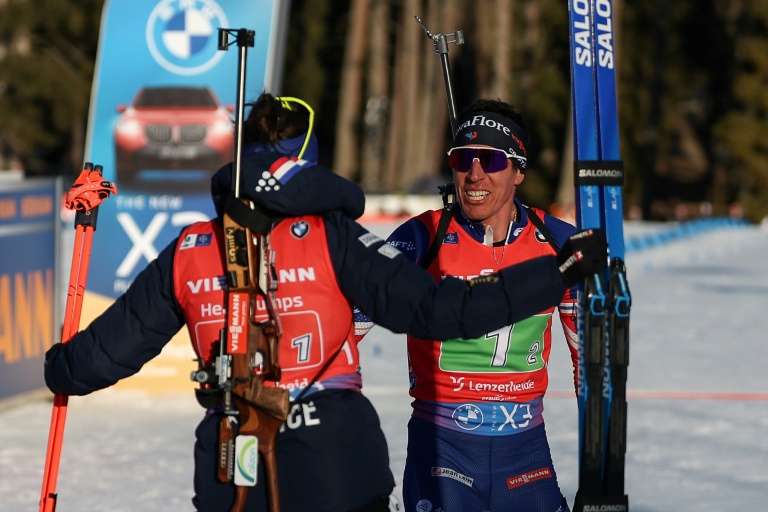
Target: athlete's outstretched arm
402 297
133 330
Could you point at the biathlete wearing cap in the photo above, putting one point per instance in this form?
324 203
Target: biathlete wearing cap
485 395
476 435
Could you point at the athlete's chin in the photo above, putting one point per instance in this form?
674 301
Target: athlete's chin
476 210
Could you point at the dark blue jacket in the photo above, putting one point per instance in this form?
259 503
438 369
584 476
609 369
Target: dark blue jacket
390 289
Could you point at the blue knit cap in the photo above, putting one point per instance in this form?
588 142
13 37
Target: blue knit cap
289 147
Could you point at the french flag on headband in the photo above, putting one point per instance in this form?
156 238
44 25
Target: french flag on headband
285 168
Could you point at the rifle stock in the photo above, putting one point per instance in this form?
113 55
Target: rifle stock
253 348
262 410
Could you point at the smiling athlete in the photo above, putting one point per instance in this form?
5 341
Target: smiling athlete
476 439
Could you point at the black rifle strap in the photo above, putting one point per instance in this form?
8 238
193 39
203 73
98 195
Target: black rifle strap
541 227
448 192
257 219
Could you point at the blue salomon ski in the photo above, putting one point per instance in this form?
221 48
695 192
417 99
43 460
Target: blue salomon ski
604 301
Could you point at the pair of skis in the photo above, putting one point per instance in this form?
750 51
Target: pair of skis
604 302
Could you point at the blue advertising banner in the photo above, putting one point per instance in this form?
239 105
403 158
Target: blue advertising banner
161 119
28 223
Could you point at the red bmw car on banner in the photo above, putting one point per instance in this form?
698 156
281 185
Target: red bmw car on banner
172 133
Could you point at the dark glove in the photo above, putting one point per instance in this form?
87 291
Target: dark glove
583 254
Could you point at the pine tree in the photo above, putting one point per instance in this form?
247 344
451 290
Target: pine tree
47 55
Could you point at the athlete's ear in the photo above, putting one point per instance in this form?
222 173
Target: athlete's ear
519 177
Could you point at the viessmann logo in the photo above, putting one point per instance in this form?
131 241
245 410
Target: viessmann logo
182 35
529 477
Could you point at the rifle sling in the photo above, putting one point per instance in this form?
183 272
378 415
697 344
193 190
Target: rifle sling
445 219
257 219
536 220
448 193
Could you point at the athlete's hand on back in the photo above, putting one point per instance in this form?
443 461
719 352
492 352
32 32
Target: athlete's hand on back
585 253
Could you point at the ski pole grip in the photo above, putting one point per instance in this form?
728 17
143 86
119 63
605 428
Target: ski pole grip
87 193
87 218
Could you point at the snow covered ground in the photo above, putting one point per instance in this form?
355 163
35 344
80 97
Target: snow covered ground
698 400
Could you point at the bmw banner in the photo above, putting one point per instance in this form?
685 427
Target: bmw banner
161 120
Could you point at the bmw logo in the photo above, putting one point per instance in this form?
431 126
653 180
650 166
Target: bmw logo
182 35
300 229
468 416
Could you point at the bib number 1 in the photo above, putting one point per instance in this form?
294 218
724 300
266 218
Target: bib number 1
515 348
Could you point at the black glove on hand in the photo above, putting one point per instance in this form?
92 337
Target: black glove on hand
583 254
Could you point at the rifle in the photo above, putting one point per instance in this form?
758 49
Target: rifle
248 349
261 409
448 190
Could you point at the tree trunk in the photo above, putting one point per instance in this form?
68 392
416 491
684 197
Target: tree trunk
377 102
565 199
435 96
427 86
502 59
345 154
399 147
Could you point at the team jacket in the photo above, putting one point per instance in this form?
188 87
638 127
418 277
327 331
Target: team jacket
492 384
374 276
315 316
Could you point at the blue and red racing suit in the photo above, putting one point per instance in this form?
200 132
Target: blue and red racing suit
485 394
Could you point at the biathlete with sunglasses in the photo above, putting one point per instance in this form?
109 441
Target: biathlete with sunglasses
331 452
476 438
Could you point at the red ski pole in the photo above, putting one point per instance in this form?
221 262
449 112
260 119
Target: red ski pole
88 191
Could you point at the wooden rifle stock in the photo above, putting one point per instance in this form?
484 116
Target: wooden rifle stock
253 347
262 410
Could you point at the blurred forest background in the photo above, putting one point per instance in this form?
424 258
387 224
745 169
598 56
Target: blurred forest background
692 86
